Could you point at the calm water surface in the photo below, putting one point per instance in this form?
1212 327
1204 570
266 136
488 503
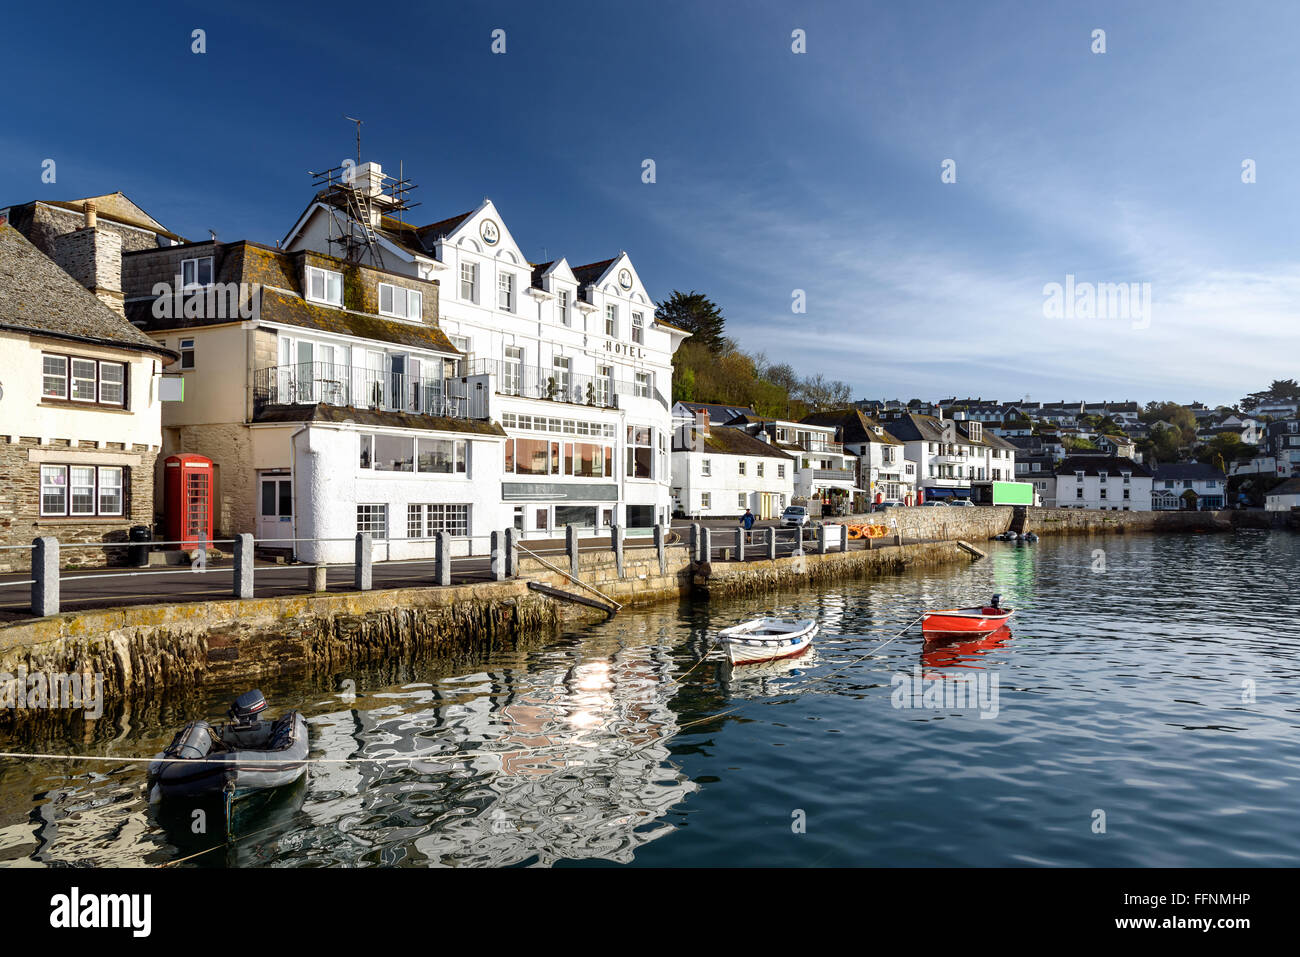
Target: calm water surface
1160 692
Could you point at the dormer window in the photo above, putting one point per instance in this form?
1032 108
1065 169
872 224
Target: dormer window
325 285
196 273
562 305
974 430
400 302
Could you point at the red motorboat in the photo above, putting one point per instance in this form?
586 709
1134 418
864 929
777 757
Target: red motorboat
965 622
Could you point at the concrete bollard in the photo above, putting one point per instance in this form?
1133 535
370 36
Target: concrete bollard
706 543
498 560
316 580
695 541
243 586
512 553
821 539
659 549
740 544
769 535
616 542
898 538
45 576
571 548
442 558
844 538
362 577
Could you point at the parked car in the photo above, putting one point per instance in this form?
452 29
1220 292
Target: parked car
887 503
796 515
934 502
962 503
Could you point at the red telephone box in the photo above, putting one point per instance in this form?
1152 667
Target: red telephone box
187 498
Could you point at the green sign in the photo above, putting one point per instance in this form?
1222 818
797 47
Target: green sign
1013 493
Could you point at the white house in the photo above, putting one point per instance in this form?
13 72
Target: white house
826 474
1283 498
884 472
1103 482
721 472
952 455
80 421
1188 485
327 397
577 366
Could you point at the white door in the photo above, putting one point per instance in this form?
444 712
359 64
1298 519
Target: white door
275 509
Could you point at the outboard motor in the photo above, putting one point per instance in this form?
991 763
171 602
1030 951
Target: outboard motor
244 712
996 602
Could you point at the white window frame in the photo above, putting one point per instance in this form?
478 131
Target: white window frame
366 514
411 302
506 291
192 272
329 278
638 328
469 281
562 305
611 320
100 475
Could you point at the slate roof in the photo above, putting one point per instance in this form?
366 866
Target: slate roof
275 271
719 414
1096 464
589 273
856 427
1188 472
1290 487
37 296
737 442
913 427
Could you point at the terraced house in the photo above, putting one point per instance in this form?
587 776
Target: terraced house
326 396
952 456
80 409
720 472
576 366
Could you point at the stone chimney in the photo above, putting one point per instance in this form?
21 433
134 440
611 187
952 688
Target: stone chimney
702 421
93 257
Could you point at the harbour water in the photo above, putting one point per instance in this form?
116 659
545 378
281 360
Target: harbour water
1142 711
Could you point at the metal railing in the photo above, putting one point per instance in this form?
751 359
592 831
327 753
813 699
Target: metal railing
309 383
833 475
557 385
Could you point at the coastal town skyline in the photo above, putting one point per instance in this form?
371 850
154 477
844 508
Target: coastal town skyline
911 285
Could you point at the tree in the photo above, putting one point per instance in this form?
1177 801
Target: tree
697 314
1280 390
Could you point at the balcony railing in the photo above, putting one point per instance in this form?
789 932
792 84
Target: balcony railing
529 382
821 445
833 475
309 383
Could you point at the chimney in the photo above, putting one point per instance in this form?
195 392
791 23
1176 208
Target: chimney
702 421
368 181
93 257
763 436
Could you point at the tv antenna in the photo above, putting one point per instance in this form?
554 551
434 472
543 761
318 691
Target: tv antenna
358 123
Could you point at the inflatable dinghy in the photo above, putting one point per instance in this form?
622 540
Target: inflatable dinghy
243 757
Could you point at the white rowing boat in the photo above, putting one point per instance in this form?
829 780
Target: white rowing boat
766 639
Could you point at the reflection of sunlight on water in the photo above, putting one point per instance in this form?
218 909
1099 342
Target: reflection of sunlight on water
595 746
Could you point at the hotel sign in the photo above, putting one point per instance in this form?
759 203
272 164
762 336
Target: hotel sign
557 492
625 349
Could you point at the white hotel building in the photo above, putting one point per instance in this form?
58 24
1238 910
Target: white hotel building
575 364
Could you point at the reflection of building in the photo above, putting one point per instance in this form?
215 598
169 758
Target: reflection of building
568 761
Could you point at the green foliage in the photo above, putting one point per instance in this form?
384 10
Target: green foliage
697 314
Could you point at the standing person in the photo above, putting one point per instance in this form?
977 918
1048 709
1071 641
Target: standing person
747 520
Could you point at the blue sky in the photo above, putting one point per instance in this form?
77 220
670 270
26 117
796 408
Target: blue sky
775 171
